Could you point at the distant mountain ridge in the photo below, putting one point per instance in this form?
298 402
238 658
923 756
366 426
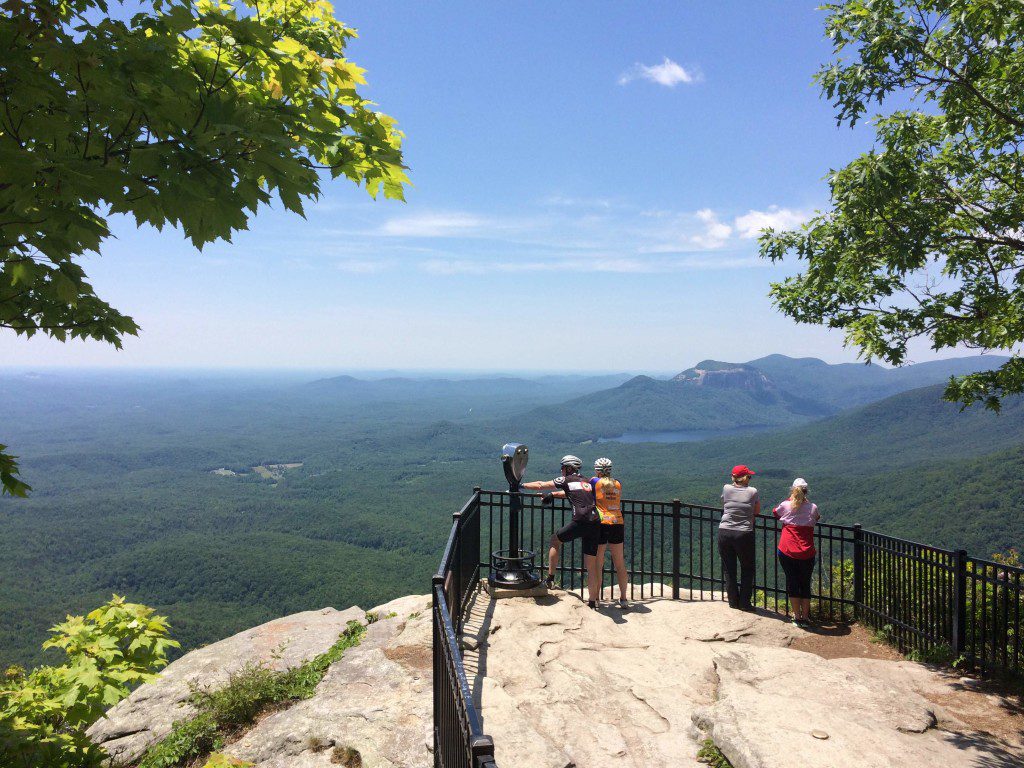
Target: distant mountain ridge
845 385
773 391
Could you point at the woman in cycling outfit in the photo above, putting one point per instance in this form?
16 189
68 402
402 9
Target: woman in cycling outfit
608 498
584 524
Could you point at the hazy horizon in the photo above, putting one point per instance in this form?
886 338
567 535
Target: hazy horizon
296 371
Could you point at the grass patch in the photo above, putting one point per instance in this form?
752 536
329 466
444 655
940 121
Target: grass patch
710 753
941 655
249 692
347 756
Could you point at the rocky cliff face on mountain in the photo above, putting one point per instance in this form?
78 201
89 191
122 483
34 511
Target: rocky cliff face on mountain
710 373
560 685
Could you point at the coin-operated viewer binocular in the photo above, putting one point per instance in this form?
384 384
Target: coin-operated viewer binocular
514 568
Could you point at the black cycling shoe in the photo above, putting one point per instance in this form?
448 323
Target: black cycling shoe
549 582
592 605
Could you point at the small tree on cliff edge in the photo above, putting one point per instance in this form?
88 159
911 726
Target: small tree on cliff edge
925 235
175 112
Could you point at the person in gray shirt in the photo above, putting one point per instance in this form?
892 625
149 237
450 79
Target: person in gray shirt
740 505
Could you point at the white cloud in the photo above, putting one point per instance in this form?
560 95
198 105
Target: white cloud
565 201
364 266
562 233
715 234
483 267
751 223
608 264
668 73
444 224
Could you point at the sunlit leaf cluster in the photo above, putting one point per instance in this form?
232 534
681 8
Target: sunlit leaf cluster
44 714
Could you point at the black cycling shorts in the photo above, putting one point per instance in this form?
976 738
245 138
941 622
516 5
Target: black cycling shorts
581 529
612 533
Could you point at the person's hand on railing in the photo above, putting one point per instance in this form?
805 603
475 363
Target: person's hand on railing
547 498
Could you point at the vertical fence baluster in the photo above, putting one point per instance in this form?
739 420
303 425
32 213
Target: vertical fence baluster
676 512
984 615
661 549
858 572
959 603
1017 600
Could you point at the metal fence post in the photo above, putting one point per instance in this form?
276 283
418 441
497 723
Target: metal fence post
959 602
676 512
482 749
858 572
455 574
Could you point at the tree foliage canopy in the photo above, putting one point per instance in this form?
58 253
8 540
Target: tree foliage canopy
925 234
184 113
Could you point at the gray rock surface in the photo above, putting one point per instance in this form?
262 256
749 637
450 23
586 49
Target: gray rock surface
562 685
146 716
769 700
376 700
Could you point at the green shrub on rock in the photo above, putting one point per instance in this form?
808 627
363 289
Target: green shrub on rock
44 714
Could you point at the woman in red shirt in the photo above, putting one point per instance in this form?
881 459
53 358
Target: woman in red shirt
796 548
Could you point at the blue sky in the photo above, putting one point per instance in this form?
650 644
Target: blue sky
588 183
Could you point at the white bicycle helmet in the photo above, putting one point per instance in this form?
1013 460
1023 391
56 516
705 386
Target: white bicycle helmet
573 462
603 465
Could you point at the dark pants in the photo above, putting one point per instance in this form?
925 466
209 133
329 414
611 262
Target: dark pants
733 546
798 575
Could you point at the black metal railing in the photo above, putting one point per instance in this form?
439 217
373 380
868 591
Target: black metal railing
459 740
671 547
934 604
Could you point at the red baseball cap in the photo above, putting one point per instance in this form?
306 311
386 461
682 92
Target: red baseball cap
742 469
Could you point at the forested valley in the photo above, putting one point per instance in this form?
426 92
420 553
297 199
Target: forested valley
227 500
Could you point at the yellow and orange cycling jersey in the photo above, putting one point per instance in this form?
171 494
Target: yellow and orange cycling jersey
609 501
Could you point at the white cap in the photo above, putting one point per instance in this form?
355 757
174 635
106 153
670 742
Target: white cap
800 483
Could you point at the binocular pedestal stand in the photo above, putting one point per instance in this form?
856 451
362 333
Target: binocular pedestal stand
513 571
514 576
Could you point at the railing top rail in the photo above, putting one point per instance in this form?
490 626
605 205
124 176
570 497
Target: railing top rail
929 547
474 499
986 563
449 547
446 558
652 502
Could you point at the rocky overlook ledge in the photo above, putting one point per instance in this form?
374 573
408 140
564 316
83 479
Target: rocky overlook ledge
562 686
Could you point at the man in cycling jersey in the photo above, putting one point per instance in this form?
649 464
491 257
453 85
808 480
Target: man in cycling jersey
584 524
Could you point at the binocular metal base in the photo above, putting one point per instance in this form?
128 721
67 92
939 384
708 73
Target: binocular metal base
513 571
